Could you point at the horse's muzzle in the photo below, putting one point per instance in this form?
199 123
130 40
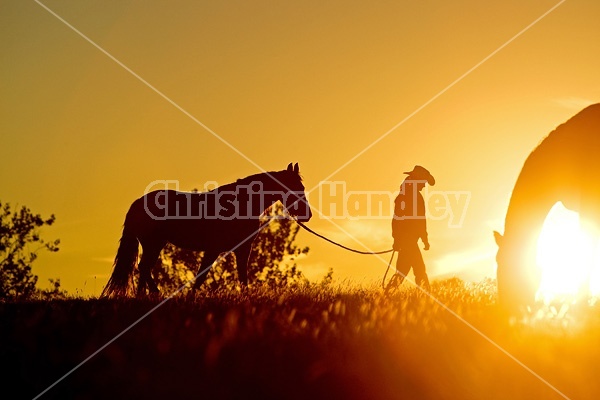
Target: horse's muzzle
304 218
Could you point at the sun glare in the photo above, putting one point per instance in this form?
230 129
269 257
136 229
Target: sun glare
567 256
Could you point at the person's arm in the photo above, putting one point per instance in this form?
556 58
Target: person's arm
422 222
423 233
396 222
425 240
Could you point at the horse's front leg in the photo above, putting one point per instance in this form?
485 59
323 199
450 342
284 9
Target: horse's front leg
590 225
242 255
207 261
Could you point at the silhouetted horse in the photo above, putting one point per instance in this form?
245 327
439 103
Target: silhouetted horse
564 167
221 220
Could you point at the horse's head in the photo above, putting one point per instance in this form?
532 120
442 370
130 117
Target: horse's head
504 261
504 272
500 254
294 198
517 278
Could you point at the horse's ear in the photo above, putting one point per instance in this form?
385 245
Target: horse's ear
498 237
289 167
296 168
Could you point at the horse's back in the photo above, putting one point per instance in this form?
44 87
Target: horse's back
192 220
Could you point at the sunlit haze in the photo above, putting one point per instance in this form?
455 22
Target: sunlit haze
567 256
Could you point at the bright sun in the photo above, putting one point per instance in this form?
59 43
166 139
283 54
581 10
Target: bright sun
567 256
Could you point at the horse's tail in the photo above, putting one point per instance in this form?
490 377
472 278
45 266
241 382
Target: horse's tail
121 280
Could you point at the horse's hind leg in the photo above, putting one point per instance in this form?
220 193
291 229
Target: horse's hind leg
242 255
150 253
207 261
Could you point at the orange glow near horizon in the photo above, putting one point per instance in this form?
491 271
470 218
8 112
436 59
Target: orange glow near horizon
567 256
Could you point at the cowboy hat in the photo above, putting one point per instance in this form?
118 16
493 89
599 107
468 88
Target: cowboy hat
421 174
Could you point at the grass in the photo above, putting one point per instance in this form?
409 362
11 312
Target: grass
306 342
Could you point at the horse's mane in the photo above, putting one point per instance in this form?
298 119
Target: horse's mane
275 176
580 129
557 159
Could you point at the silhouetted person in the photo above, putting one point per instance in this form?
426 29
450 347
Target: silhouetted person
409 225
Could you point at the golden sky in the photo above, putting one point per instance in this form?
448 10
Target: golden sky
310 82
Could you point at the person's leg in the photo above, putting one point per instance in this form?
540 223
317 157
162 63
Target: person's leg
419 269
403 264
418 265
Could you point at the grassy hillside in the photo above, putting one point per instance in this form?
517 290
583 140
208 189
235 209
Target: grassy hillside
298 343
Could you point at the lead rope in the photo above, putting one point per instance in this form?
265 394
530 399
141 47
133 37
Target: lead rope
353 250
341 245
387 270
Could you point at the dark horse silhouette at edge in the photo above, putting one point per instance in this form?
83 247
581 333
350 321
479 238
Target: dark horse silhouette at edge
224 219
